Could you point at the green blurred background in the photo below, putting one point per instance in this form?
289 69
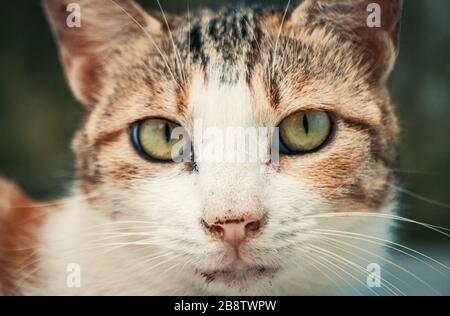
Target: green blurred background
38 114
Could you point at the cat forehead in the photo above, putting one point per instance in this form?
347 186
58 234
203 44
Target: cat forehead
209 60
232 39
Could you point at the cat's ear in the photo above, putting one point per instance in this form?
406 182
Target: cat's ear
87 31
375 24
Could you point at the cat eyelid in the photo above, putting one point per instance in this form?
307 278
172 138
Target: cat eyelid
328 109
334 113
157 117
169 118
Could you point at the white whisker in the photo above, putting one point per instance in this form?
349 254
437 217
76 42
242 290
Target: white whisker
392 288
175 49
149 36
435 228
420 197
385 243
274 61
333 240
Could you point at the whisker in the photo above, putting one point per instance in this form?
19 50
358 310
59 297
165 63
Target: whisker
353 263
337 244
171 257
385 243
411 171
124 229
278 38
333 240
380 215
189 33
120 235
151 257
60 202
175 49
311 257
420 197
146 223
150 38
363 271
340 268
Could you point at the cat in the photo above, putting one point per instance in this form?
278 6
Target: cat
138 223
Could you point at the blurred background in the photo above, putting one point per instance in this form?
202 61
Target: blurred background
38 115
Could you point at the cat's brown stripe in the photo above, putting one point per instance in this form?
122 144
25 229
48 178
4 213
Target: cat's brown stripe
182 97
107 138
378 150
273 94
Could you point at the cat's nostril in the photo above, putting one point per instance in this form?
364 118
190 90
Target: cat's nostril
252 227
233 232
217 231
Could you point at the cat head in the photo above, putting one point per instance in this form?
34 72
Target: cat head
316 71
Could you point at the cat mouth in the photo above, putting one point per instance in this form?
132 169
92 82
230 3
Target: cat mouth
238 276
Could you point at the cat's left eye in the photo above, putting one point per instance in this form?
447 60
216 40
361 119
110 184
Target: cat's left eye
153 139
304 131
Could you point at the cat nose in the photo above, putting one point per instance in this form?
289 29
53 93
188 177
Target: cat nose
234 232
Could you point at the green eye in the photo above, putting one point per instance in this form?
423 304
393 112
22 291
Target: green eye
153 138
305 131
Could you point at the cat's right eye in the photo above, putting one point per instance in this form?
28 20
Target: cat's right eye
152 138
304 131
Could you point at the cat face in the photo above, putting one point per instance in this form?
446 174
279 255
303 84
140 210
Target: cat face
234 223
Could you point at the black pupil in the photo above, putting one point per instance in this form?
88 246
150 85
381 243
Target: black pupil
305 124
167 132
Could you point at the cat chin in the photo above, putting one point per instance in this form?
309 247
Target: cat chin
239 279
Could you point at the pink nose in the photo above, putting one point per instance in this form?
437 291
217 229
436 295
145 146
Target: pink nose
234 231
